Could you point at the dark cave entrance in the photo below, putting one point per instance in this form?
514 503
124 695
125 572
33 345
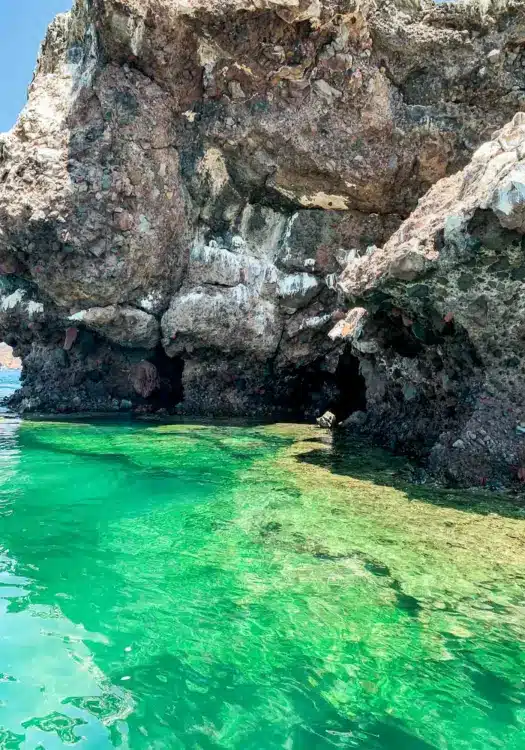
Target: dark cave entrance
350 385
310 391
171 391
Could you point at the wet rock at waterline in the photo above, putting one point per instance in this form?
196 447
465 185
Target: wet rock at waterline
327 420
188 182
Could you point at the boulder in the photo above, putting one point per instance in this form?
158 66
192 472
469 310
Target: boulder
144 378
125 326
328 420
231 320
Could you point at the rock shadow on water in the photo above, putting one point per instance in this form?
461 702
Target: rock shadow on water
393 736
359 460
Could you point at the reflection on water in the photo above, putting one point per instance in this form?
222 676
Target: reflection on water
232 587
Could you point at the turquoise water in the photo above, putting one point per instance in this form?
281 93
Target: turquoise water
194 586
9 380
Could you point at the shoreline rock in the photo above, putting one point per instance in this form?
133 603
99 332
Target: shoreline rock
193 201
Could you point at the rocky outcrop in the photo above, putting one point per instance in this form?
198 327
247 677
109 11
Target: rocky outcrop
441 323
124 326
189 179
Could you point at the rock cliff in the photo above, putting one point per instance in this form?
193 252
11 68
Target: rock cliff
193 198
440 320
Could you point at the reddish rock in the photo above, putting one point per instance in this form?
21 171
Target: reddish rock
70 338
144 378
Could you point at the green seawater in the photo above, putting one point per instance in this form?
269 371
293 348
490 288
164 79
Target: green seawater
250 587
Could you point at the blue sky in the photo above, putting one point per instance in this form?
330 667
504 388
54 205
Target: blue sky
23 25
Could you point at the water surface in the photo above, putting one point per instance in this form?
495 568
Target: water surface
9 381
193 586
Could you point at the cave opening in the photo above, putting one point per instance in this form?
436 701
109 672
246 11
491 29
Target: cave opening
170 391
313 389
350 385
398 334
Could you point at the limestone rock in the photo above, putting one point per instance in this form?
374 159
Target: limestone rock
225 320
214 265
351 327
297 290
328 420
126 326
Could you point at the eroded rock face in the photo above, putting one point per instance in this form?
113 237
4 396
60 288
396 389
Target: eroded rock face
189 179
441 338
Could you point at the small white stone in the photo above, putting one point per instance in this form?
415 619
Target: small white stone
238 242
493 56
327 92
328 420
236 90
